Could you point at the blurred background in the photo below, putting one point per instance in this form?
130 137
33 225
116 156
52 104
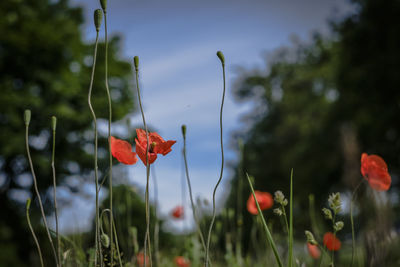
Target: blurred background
310 86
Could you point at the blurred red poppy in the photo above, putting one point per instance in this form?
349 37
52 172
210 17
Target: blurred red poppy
331 242
264 199
313 250
157 145
122 151
140 259
182 261
178 212
375 171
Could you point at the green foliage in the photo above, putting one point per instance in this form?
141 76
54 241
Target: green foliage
45 66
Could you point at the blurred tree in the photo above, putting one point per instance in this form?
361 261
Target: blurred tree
319 105
45 66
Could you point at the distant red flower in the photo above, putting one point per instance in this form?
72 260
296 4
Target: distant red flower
314 251
178 212
122 151
331 242
182 261
157 145
264 199
140 259
375 171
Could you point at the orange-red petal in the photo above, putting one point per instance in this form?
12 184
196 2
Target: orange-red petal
122 151
182 261
178 212
313 250
141 152
374 170
264 199
331 242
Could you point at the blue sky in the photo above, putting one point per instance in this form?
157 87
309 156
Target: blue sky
181 78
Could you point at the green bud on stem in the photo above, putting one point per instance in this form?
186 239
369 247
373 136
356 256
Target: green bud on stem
98 17
136 62
103 4
27 116
53 123
221 57
184 130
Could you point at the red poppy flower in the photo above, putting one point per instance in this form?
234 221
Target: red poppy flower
182 261
264 199
375 171
140 259
157 145
314 251
331 242
177 212
122 151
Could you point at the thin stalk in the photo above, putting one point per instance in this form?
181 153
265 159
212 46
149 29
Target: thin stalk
157 224
285 220
147 235
55 191
239 218
37 191
96 174
196 220
269 236
222 168
109 130
353 244
28 204
291 221
115 234
334 235
314 224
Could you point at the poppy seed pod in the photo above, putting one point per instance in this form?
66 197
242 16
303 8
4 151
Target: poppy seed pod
136 62
53 122
221 57
98 17
27 116
103 4
184 130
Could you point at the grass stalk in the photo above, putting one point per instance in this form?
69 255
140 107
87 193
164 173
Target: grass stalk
157 223
221 57
353 243
28 204
54 122
147 235
269 236
27 120
290 264
96 174
239 207
196 220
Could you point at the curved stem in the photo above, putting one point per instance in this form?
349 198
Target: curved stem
28 203
196 220
55 196
221 173
37 192
353 244
109 132
96 175
111 233
147 235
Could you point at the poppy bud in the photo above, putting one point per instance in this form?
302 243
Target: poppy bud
136 62
184 130
28 203
27 116
105 240
53 122
221 57
103 4
98 17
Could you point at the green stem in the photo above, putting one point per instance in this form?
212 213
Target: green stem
147 235
269 236
115 234
239 218
157 223
28 204
353 243
109 132
55 195
221 173
286 220
196 220
291 221
96 175
37 192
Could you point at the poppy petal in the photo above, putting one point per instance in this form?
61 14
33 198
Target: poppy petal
122 151
141 152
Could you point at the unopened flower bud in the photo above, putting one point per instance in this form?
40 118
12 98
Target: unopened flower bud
310 238
103 4
53 123
27 116
105 240
184 130
98 17
136 62
221 57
